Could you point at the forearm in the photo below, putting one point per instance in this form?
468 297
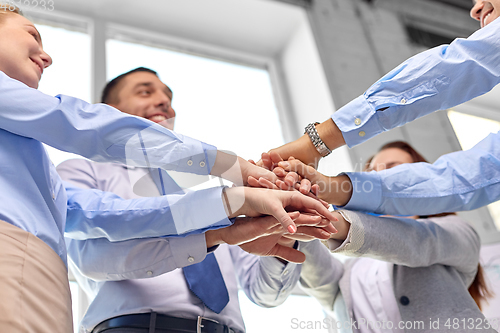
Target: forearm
102 260
415 243
94 214
303 148
457 181
336 190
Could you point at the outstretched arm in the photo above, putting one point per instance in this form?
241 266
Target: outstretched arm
457 181
102 260
446 241
436 79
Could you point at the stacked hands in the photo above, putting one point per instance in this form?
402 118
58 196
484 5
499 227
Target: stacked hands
281 207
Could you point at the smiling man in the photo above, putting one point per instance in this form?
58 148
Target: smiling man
141 93
146 284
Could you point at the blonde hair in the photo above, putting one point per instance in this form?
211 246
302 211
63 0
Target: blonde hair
8 8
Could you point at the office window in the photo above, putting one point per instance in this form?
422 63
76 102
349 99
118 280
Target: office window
470 130
69 73
223 104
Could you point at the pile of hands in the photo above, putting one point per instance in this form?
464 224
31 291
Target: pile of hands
282 202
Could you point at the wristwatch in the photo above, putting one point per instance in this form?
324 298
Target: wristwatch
322 149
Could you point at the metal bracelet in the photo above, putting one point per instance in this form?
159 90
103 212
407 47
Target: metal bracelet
322 149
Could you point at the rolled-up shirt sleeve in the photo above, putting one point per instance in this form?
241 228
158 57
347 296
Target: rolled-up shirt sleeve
436 79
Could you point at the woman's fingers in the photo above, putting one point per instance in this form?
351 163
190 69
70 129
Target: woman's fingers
312 204
305 186
291 178
263 182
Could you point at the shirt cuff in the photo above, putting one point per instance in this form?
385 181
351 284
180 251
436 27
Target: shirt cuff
193 158
188 250
204 211
358 121
355 237
210 155
366 191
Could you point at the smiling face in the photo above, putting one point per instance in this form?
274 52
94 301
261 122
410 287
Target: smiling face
389 158
21 52
485 11
143 94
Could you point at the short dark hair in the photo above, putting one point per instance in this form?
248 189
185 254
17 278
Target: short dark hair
110 91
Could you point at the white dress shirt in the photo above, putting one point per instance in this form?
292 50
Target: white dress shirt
144 275
372 288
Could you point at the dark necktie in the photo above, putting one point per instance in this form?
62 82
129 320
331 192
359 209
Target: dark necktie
206 282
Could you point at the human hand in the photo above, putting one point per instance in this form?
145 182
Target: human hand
238 170
255 202
271 161
263 235
341 225
304 150
246 229
335 190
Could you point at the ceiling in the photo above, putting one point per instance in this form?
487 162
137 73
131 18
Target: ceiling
265 24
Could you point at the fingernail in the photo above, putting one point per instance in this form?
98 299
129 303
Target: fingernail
325 233
284 164
292 229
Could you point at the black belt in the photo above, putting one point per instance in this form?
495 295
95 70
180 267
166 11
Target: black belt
158 321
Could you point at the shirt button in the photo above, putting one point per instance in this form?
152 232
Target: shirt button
404 300
357 121
403 101
285 272
149 273
189 162
202 164
190 259
362 133
53 196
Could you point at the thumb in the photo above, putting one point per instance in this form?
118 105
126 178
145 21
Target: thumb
289 254
286 221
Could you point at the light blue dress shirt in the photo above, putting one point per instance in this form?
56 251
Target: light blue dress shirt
144 275
436 79
33 197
